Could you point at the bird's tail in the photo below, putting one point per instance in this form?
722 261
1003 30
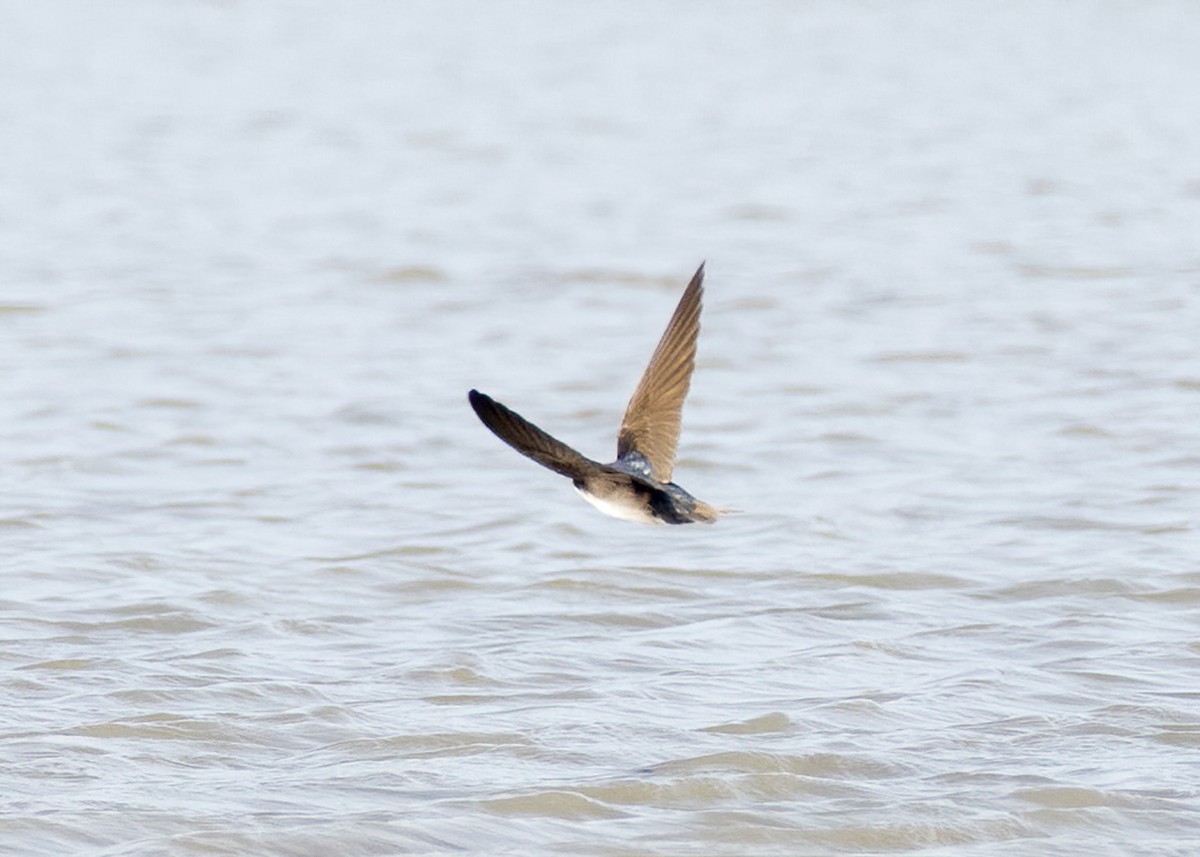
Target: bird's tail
708 514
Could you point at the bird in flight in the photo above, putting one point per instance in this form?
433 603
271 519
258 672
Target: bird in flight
637 486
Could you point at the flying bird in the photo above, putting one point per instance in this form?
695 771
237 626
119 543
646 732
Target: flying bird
637 486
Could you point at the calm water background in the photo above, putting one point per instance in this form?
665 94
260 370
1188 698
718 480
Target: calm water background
269 587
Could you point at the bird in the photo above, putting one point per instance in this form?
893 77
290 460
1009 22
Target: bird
636 486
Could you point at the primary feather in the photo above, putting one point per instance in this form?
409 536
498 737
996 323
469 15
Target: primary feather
651 423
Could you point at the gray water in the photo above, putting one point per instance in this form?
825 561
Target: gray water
270 588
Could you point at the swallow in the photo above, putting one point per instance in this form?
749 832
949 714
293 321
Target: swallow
636 486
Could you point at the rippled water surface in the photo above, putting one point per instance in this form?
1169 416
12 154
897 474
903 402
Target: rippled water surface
270 587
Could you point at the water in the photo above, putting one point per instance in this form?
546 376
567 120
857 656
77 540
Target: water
269 587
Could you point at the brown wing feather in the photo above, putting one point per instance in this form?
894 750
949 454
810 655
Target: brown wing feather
651 423
528 439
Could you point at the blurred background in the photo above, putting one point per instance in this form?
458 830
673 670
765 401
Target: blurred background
271 588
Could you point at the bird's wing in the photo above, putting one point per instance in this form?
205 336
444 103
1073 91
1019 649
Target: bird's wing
651 423
529 440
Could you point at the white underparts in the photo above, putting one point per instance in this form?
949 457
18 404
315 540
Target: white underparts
625 511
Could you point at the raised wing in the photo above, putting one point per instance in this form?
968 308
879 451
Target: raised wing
529 440
651 423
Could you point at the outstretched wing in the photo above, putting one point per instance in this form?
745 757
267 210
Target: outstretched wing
529 440
651 423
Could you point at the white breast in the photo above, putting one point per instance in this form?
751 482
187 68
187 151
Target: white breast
625 511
